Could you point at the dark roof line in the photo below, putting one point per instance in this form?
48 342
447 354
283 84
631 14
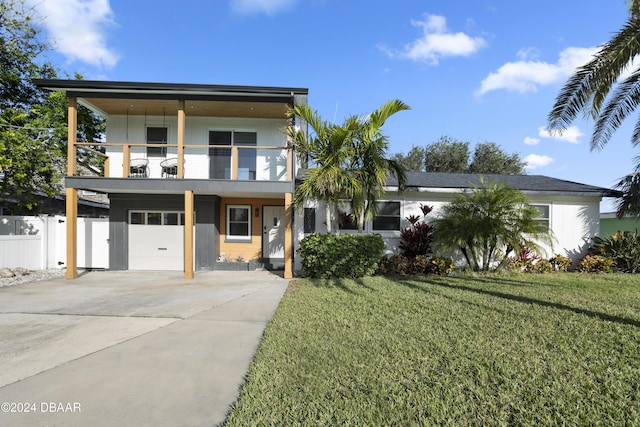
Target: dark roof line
148 87
534 183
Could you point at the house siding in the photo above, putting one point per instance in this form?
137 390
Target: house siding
573 220
250 250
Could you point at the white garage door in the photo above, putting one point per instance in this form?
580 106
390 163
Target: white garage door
156 240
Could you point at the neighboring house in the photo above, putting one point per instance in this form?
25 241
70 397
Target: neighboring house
571 210
194 173
90 205
610 224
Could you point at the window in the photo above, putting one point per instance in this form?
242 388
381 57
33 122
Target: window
309 220
239 222
388 218
157 135
543 215
156 218
220 158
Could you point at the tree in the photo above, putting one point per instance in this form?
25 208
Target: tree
413 161
602 91
33 122
452 156
447 155
325 151
488 157
489 223
368 160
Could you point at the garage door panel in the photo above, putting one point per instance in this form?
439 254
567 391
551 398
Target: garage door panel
156 247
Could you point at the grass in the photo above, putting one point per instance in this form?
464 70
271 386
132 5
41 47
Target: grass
556 349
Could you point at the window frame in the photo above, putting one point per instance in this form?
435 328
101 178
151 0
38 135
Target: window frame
238 238
542 218
156 152
162 213
252 172
399 218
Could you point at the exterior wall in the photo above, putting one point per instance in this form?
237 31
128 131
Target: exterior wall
206 236
573 220
270 164
250 250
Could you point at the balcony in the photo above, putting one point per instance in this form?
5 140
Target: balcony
210 162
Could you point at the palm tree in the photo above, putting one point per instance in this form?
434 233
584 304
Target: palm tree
325 151
489 223
595 89
369 163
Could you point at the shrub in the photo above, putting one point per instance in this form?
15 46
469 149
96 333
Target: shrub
542 266
440 266
596 264
523 261
560 262
349 255
398 264
417 238
623 247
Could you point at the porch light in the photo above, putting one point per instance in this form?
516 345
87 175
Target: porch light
257 212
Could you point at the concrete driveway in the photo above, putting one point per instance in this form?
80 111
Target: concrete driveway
130 348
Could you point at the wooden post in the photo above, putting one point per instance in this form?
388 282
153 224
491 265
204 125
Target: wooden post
288 233
188 234
181 129
72 193
107 165
126 160
234 163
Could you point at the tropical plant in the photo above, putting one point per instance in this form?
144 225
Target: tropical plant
623 247
368 160
344 162
607 89
416 239
488 223
326 153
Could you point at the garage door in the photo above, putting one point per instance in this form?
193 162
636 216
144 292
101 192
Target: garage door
156 240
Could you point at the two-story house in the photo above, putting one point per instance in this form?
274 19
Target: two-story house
194 173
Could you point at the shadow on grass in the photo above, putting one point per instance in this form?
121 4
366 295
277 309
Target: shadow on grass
343 284
523 299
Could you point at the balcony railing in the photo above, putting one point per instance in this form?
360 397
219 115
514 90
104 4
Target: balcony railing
133 160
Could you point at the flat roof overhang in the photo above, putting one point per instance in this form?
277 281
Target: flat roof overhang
139 98
218 187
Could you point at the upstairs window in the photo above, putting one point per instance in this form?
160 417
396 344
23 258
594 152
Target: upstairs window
157 135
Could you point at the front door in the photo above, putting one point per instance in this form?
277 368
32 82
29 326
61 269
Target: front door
273 234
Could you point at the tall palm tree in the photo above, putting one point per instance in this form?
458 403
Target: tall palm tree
489 223
596 90
369 163
325 150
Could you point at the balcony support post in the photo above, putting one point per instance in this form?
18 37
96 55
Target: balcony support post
188 234
181 131
72 193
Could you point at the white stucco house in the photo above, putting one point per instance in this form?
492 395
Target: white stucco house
571 209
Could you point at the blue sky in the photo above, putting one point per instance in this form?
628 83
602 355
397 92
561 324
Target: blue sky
476 70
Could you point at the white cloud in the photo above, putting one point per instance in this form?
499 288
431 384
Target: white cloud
528 75
535 161
531 141
77 29
268 7
437 42
571 134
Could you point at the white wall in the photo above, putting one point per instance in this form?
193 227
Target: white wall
573 220
270 164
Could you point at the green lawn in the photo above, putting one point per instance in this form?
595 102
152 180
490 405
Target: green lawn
556 349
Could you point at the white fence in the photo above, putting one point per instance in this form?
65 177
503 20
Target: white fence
39 242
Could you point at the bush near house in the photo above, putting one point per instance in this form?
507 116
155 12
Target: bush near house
349 255
596 264
623 247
